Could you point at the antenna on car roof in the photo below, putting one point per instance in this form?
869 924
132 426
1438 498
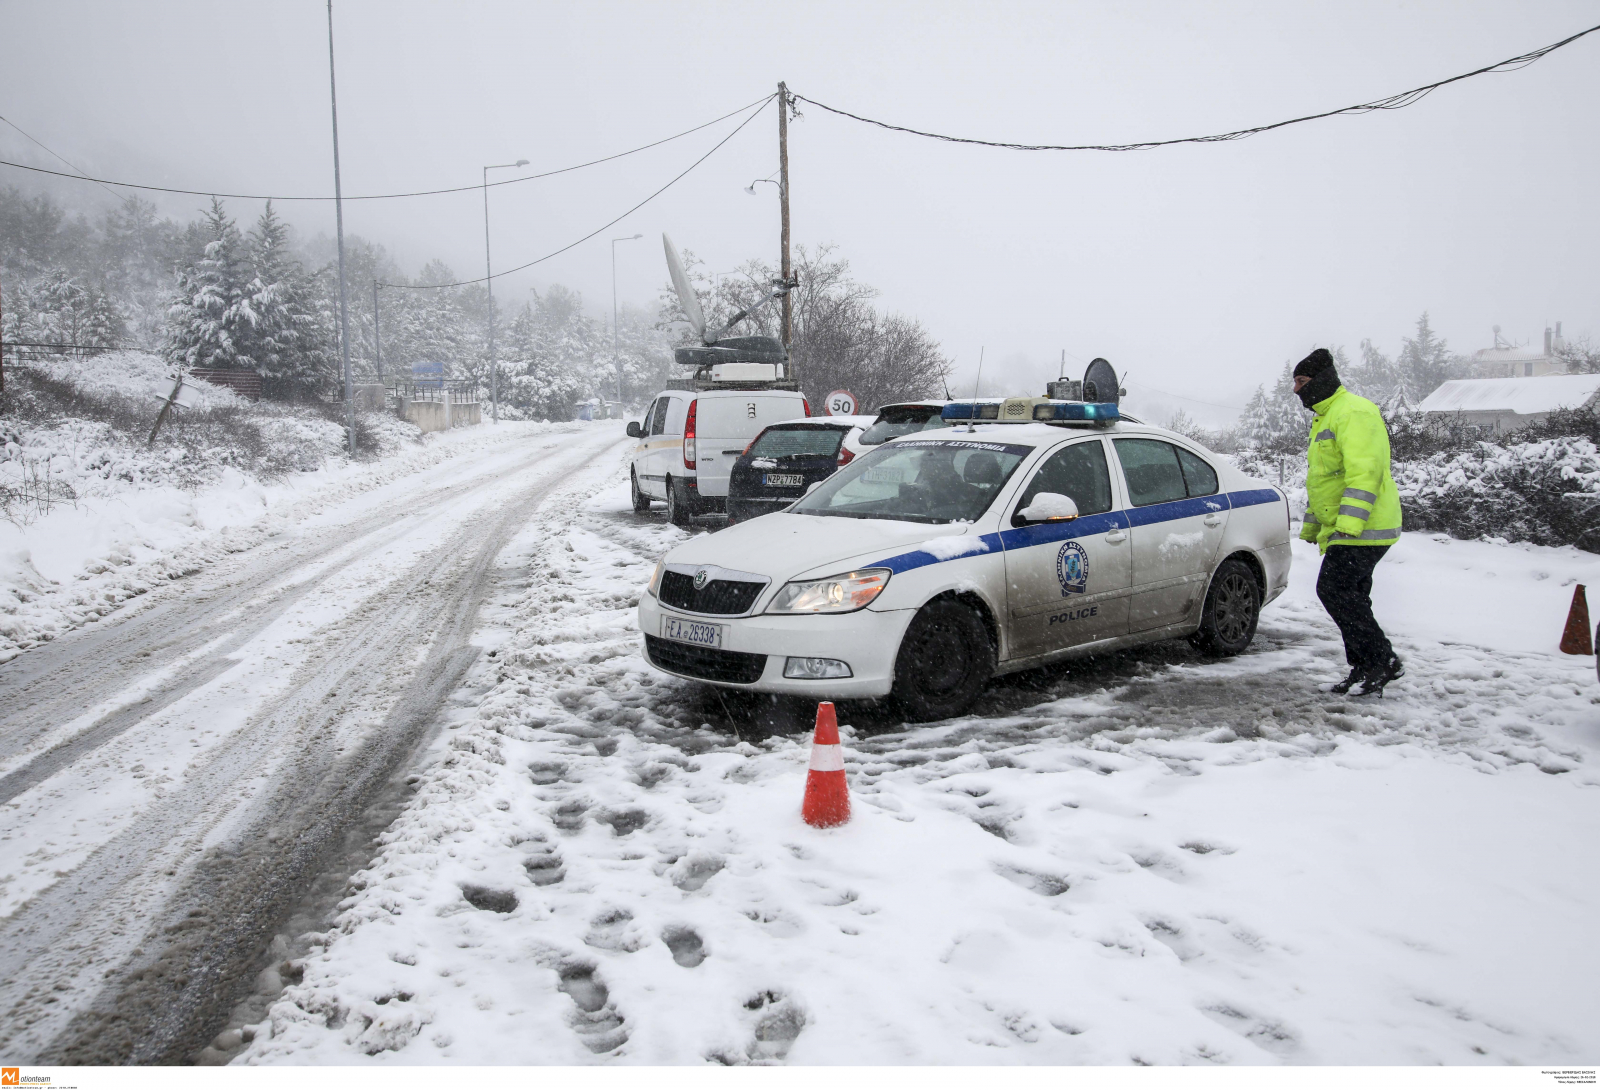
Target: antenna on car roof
972 420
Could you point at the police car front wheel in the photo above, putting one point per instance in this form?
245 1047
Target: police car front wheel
944 662
1233 605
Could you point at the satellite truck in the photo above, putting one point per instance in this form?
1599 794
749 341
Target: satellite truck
733 387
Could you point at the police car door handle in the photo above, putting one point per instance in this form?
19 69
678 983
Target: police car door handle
1213 520
1116 537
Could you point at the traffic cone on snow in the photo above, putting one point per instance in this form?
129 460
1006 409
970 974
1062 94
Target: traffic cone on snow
827 801
1575 640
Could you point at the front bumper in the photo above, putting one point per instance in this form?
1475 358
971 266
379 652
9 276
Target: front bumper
868 640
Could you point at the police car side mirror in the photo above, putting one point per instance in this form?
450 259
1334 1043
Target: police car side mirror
1046 507
635 430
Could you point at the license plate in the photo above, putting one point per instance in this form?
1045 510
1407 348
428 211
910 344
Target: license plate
783 480
705 635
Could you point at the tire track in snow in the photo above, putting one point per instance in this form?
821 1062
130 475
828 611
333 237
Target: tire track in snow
125 669
212 866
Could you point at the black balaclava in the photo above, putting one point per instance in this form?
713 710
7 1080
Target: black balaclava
1324 379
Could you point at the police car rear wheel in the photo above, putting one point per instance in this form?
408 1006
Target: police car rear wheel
944 661
1233 605
641 502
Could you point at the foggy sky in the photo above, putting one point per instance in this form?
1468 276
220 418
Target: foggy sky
1199 270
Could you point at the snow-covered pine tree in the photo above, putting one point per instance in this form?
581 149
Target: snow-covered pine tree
287 342
205 317
1274 421
1424 362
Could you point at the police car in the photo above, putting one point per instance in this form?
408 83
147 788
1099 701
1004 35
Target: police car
942 558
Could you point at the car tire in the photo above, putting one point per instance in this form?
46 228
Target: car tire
678 510
946 658
1232 607
641 502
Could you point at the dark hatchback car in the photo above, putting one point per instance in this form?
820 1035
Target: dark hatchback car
785 460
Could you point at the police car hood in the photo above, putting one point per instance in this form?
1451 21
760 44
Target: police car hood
790 546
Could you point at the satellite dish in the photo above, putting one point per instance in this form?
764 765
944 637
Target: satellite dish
1100 383
686 297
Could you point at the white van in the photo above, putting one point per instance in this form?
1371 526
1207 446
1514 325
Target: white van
689 440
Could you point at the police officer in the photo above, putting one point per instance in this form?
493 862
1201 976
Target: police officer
1353 515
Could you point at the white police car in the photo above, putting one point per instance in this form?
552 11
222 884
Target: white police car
942 558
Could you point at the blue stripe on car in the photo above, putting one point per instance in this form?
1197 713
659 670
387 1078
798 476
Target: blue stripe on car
1043 533
1251 497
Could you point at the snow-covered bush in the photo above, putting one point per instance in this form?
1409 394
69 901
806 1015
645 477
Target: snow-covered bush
1543 492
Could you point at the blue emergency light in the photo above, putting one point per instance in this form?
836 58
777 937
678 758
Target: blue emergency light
1034 410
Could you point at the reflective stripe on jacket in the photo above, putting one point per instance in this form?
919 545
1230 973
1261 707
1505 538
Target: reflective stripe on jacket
1350 493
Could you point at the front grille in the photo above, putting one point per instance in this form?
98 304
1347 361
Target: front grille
722 597
709 663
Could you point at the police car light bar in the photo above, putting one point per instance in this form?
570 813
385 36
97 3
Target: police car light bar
1024 410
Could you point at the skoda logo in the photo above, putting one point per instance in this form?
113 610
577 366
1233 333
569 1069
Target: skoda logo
701 578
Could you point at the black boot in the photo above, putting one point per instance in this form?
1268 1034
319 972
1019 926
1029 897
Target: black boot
1373 681
1344 686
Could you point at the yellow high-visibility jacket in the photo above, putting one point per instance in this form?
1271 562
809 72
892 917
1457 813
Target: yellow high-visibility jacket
1351 496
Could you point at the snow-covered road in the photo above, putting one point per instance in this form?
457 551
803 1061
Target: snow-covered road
1149 859
174 777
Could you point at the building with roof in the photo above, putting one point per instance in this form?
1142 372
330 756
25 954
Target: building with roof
1506 360
1506 404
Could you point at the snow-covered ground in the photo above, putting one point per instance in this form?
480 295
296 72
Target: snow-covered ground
1151 859
175 774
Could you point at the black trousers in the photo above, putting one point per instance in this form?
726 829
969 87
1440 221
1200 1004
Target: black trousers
1345 587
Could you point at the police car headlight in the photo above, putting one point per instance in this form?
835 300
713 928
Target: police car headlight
836 594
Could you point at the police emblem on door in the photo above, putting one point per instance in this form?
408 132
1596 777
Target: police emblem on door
1072 568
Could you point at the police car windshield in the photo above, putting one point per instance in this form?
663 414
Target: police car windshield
897 420
918 480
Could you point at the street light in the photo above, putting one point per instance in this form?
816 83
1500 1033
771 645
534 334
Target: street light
488 283
751 188
616 355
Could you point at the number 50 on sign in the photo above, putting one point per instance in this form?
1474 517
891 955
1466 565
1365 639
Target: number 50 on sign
841 403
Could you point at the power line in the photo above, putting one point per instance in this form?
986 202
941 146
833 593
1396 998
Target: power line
1392 102
58 155
602 227
81 176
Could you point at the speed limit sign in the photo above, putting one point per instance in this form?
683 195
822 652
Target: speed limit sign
841 403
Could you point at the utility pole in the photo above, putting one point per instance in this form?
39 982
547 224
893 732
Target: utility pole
616 353
783 203
377 341
338 214
488 283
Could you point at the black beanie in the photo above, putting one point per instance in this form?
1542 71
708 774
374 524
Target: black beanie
1324 377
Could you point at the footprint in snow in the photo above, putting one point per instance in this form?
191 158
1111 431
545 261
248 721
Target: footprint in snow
598 1023
613 929
688 949
490 900
544 866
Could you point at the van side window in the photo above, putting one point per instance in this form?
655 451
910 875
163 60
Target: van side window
1078 471
658 419
677 413
1200 477
1152 471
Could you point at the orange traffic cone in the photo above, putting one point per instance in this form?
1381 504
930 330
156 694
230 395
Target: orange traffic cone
1575 640
827 800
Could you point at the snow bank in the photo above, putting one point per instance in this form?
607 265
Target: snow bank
1153 859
